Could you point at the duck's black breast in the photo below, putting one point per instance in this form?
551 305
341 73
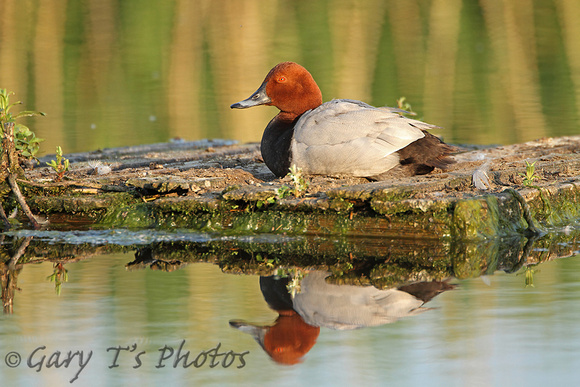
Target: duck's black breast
275 146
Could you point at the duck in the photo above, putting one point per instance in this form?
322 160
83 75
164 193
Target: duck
346 307
342 137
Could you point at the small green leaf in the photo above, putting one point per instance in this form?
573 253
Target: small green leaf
28 113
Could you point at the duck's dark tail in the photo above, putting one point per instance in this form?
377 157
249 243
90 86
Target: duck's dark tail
426 154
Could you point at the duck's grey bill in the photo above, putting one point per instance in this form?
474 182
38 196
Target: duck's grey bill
258 98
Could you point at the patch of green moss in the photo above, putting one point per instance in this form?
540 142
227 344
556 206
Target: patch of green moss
486 217
30 190
393 275
340 205
187 206
78 203
472 219
133 216
392 195
556 209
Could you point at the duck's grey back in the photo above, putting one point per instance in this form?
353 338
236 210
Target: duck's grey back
351 137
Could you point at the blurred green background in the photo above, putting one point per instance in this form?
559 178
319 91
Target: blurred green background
113 73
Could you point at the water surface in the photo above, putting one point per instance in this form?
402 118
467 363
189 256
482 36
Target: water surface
500 329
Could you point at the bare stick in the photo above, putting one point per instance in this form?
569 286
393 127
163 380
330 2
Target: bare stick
4 218
14 260
22 201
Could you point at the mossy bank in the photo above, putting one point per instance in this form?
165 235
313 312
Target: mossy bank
222 187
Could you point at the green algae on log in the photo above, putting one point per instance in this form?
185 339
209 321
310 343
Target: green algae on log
227 188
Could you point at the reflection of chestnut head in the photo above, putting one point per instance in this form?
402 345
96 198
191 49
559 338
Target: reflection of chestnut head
287 341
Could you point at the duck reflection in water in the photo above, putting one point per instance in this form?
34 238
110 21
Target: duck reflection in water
321 304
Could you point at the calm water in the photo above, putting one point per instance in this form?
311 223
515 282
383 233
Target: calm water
501 329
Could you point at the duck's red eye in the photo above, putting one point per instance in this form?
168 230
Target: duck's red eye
281 79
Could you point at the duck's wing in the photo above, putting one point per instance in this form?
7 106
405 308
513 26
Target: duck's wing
351 137
351 307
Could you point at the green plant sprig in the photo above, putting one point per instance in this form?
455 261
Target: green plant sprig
530 174
58 276
299 184
60 165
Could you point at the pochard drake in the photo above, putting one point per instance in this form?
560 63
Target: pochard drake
340 137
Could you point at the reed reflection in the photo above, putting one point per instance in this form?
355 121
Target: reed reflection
112 73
